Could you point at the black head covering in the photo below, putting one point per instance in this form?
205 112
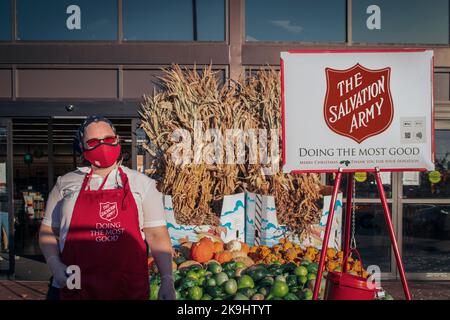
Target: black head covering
78 143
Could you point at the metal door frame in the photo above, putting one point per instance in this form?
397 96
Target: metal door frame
7 122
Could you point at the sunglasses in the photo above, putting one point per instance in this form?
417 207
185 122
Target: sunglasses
91 143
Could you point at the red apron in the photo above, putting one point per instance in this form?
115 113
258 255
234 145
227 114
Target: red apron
104 240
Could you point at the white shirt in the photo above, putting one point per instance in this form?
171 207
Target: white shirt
62 198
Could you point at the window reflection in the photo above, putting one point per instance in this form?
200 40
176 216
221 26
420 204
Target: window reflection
295 20
372 237
5 20
67 20
400 21
174 20
426 237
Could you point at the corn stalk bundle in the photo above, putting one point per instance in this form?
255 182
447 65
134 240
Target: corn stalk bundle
297 197
190 98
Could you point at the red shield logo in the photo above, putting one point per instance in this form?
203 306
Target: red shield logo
358 103
108 211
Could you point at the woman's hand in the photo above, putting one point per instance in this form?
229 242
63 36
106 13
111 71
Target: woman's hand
167 289
58 270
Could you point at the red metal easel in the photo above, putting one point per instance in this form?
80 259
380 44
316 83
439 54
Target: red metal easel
387 216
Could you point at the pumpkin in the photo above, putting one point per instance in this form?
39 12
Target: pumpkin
203 250
218 246
331 253
244 247
223 256
233 245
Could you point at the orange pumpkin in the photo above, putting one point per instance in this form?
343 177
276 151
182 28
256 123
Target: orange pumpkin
218 246
223 256
244 247
203 250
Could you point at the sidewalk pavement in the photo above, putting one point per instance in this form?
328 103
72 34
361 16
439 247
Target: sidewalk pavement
37 290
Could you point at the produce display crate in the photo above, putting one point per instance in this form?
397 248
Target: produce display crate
272 231
232 221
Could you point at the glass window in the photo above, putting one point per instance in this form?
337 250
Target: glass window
400 21
372 237
365 184
295 20
426 237
5 20
174 20
434 184
67 20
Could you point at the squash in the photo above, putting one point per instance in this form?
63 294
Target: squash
188 264
237 254
202 251
218 246
233 245
246 260
223 256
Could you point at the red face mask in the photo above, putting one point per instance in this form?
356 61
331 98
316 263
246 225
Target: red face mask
103 156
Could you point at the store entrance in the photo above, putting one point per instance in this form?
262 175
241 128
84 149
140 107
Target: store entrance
43 150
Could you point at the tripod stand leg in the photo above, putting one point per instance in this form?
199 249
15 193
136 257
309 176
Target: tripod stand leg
348 216
394 244
326 237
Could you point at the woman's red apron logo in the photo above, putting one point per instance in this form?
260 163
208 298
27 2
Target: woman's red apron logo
108 211
358 103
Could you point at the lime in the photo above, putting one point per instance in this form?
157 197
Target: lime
230 265
240 296
230 286
290 296
192 274
301 271
302 279
245 282
230 273
211 282
201 281
279 289
221 278
307 294
195 293
240 265
206 297
201 272
214 267
311 276
312 267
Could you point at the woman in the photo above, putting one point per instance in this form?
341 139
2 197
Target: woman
97 218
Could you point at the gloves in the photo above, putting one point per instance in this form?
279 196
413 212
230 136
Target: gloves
58 270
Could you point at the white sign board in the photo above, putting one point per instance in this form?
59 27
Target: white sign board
357 110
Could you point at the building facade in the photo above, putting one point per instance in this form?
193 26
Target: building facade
63 60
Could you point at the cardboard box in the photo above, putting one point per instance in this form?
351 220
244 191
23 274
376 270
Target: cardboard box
232 221
272 231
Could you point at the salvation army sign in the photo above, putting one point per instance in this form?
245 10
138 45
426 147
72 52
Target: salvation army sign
357 110
358 102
